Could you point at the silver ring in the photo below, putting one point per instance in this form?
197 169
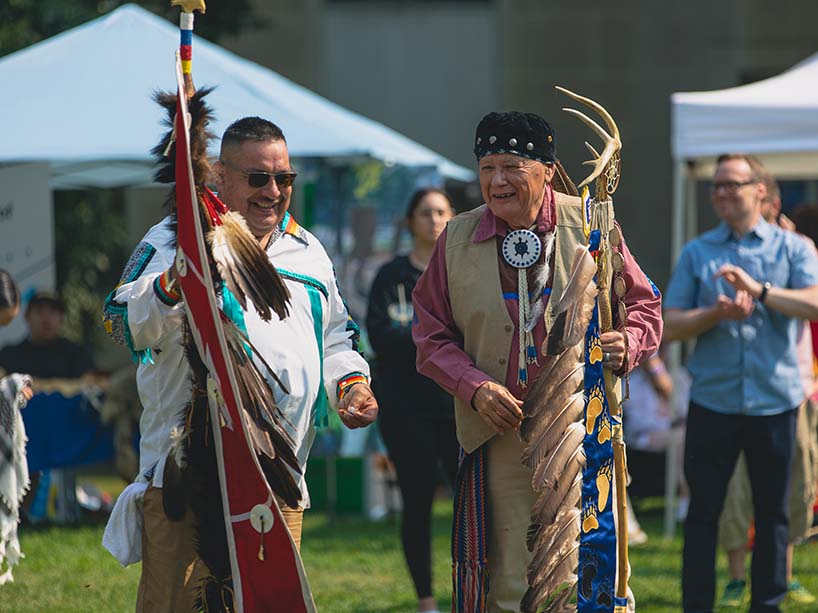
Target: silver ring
606 357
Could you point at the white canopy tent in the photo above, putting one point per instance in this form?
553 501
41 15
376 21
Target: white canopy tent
775 119
81 102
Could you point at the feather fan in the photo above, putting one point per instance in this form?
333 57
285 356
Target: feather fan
557 374
553 431
548 472
562 531
566 494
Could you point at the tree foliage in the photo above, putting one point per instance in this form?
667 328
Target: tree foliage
91 244
25 22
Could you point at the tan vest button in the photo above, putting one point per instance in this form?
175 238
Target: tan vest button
509 327
502 360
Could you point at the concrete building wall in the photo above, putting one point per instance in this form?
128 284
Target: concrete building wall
432 69
286 39
631 57
426 69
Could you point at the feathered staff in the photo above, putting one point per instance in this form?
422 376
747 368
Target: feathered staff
574 386
610 264
233 450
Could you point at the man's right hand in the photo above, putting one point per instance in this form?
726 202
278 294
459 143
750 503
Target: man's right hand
498 408
738 309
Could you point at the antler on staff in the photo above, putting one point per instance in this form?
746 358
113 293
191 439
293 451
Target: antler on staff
608 161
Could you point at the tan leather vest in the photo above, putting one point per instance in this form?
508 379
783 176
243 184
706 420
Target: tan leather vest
479 309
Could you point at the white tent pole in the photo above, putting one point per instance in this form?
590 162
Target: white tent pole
678 235
678 230
690 204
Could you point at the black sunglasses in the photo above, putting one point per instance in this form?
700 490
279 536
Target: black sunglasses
259 178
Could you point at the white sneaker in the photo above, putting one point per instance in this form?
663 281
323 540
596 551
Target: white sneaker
638 537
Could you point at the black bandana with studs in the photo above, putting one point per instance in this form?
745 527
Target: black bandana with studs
524 134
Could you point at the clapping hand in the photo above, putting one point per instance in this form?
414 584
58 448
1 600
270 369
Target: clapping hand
736 310
739 279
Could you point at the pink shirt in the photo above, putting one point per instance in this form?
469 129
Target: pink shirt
439 342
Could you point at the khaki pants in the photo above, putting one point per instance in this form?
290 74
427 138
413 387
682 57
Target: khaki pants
510 499
738 505
294 518
171 570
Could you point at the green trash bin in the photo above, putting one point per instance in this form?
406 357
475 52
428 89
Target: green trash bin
337 485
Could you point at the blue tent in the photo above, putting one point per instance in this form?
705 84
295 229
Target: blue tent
81 101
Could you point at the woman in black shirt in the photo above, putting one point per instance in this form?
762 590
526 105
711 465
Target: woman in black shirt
416 417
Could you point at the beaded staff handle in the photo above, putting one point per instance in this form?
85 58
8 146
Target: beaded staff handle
186 38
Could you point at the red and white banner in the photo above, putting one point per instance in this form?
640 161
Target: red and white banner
274 581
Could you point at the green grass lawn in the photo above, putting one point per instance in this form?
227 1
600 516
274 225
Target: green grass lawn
353 565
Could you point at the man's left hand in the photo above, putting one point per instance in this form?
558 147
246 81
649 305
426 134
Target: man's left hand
613 349
358 408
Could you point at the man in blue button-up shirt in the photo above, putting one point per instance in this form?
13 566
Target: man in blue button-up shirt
740 290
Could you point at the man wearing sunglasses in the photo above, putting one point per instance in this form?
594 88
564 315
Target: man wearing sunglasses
313 351
740 291
254 177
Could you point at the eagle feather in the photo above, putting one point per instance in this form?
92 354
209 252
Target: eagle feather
549 471
246 269
575 307
548 429
560 570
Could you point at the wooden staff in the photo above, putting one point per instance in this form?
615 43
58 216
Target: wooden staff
617 440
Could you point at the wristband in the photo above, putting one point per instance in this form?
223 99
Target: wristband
345 384
764 289
167 289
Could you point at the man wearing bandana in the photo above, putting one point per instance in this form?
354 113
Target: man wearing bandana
471 338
